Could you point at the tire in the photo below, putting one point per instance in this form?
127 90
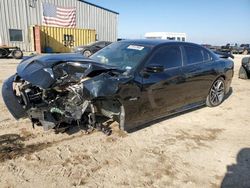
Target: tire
4 53
245 52
17 54
216 93
87 53
243 73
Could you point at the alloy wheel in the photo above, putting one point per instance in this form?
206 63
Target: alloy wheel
217 92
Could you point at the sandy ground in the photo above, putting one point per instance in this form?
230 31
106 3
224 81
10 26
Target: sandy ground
207 147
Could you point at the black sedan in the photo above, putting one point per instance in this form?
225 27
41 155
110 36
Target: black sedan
132 82
91 48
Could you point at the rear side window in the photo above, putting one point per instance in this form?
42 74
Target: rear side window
169 57
206 56
194 54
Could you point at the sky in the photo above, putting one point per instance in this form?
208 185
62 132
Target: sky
213 22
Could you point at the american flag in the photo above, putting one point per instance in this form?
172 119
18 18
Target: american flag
58 16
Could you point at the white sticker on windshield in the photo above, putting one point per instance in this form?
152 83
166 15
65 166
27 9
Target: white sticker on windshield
128 68
135 47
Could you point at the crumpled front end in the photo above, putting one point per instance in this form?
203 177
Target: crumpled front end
11 100
77 95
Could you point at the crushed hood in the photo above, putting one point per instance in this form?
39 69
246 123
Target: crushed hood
38 70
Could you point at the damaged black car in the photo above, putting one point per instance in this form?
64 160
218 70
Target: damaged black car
132 82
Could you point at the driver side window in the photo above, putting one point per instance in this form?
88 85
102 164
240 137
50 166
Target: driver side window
169 57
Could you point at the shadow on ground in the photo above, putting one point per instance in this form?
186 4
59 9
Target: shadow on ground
238 175
13 146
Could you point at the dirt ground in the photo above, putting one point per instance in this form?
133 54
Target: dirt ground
207 147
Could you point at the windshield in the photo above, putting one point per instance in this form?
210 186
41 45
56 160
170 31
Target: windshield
124 55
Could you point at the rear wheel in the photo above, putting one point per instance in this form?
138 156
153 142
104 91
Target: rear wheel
216 93
3 53
87 53
243 73
17 54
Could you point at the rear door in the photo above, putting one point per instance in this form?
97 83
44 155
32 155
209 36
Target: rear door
198 71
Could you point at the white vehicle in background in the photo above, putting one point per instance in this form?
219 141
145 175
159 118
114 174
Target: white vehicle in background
166 35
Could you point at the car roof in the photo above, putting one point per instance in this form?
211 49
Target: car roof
154 42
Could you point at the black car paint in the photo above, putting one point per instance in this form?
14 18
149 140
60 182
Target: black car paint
163 93
144 96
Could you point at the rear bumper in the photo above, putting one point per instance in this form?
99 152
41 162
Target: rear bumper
11 101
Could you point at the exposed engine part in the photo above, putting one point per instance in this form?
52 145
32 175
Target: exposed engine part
61 107
108 108
50 108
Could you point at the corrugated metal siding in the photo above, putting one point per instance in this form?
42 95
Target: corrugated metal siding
17 14
53 37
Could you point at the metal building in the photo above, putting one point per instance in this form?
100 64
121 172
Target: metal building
17 16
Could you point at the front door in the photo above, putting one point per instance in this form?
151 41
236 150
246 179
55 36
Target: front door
163 91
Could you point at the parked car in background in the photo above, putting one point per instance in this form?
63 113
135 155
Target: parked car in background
132 82
208 46
211 47
91 48
119 39
244 72
15 52
246 48
231 48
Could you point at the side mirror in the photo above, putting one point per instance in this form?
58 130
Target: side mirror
154 68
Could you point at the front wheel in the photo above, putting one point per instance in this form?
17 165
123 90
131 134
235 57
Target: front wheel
216 93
